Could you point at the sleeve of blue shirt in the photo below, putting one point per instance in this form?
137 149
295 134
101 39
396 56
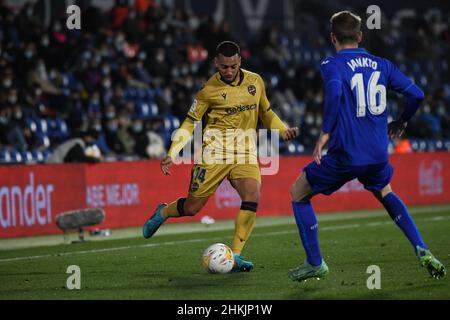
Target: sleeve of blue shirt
400 83
332 91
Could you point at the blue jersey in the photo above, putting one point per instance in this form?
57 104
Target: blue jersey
355 105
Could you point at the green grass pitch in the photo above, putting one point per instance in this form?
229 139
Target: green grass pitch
168 266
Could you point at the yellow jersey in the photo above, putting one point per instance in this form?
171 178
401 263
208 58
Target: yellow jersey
231 112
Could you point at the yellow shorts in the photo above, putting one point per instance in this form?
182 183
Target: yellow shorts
206 178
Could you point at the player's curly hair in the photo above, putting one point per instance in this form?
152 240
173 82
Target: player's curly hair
228 49
345 26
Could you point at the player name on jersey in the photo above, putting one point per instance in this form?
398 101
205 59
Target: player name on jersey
362 62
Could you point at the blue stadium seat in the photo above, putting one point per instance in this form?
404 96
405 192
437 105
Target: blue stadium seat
447 145
41 126
5 156
27 157
414 144
57 128
145 110
131 94
31 124
146 95
291 148
171 123
38 156
43 139
16 156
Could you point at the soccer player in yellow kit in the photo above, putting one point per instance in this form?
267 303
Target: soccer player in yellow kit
231 102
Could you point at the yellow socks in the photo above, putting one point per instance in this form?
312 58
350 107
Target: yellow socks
172 209
244 223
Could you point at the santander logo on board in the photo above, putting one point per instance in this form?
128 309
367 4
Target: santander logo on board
27 205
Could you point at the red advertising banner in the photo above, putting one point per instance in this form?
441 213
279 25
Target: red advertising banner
32 196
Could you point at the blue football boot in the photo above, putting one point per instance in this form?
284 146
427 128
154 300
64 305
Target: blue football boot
154 222
240 265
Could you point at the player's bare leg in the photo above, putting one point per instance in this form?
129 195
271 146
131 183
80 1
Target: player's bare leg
189 206
301 190
314 267
249 190
400 215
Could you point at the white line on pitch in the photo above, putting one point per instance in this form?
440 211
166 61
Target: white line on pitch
348 226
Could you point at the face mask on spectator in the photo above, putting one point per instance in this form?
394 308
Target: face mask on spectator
189 83
87 55
106 83
110 115
18 114
142 56
41 67
106 70
137 127
44 41
112 127
168 41
185 70
57 27
28 54
160 57
7 82
12 99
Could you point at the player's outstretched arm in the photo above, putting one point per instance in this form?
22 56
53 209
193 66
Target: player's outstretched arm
181 137
165 164
271 121
321 142
290 133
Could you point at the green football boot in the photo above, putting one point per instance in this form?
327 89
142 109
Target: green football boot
306 271
433 265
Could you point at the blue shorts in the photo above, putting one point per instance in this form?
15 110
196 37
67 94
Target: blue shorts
331 175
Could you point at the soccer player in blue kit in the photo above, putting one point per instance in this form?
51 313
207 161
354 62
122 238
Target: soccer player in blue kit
356 130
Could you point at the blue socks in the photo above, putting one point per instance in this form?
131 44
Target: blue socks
307 228
399 213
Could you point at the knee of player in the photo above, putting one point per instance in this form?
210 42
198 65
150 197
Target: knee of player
297 194
252 197
255 196
293 191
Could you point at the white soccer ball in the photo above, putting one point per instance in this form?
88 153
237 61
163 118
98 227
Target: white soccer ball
218 258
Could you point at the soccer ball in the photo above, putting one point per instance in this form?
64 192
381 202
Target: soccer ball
218 258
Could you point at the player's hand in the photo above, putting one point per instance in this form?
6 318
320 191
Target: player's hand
396 128
166 163
290 133
317 153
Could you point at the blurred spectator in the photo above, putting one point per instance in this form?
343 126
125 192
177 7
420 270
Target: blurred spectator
124 135
142 62
79 149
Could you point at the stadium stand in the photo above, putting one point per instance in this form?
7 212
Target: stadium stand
133 71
